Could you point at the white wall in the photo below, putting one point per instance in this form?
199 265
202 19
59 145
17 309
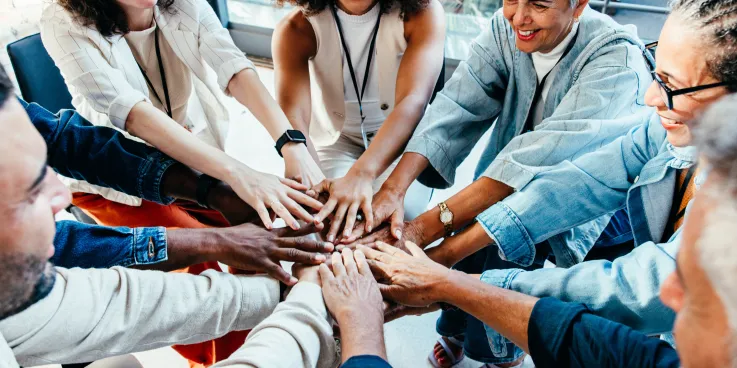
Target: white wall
18 19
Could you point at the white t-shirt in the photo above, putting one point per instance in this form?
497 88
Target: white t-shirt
358 31
544 64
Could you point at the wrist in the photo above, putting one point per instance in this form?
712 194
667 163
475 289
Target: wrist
362 171
413 232
450 281
189 246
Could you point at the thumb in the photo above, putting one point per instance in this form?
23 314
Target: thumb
322 186
397 223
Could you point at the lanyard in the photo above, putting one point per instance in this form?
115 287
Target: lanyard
163 75
359 96
541 85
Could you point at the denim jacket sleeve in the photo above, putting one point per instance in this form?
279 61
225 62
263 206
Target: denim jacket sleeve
466 107
90 246
572 193
626 290
600 106
80 150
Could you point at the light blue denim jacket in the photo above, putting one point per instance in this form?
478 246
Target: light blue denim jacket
596 90
638 171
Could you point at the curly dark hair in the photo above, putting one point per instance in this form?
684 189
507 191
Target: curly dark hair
106 15
312 7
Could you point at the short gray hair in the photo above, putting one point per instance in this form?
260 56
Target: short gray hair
716 137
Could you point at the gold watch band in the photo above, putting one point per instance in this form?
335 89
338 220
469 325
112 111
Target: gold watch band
447 225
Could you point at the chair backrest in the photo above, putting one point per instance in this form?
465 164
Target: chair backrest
38 77
221 10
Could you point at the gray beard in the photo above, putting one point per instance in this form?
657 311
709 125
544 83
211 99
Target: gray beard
25 280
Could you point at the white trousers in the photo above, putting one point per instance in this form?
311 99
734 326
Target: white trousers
337 159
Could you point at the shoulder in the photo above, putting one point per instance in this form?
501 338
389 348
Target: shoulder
295 31
54 14
431 17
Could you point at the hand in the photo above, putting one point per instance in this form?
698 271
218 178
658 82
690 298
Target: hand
284 196
383 234
300 166
223 199
388 204
413 280
395 311
350 290
347 194
306 273
250 247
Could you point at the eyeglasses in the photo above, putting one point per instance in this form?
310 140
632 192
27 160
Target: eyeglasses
666 92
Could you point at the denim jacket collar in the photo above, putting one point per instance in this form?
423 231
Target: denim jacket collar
683 157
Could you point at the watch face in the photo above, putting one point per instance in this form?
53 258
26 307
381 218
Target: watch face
446 217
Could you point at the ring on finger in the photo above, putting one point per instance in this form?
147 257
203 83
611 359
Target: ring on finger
359 217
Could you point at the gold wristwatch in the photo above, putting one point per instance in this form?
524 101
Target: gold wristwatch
446 217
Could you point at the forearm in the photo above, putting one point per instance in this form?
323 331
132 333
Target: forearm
505 311
410 166
361 335
454 249
117 311
247 89
465 205
392 137
154 127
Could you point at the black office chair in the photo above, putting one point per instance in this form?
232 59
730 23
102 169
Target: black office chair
38 77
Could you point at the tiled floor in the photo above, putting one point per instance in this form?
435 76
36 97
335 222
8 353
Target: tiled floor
409 339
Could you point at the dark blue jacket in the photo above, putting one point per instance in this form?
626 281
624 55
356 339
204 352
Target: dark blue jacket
80 150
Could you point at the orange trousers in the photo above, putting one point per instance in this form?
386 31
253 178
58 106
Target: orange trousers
180 214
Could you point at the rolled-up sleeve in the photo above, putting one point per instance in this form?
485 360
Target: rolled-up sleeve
218 48
80 150
571 193
466 107
91 246
84 68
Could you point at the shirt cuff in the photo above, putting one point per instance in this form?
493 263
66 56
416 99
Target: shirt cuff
549 324
149 245
229 69
310 296
509 173
121 107
260 298
500 278
509 234
150 175
441 172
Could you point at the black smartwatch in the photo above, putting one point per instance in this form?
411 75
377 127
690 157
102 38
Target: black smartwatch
204 184
290 135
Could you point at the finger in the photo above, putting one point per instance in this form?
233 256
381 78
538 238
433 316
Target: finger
337 221
375 254
297 210
276 271
306 244
326 210
282 212
363 267
379 269
263 213
358 231
388 249
297 178
304 199
415 250
368 215
304 230
323 186
397 222
349 262
387 291
325 273
338 267
299 256
350 219
293 184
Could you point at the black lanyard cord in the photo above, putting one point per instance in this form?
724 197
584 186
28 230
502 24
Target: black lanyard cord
163 75
359 96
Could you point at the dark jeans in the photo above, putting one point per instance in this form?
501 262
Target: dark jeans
458 322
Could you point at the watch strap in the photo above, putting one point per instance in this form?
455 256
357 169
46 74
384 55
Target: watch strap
448 226
291 135
204 184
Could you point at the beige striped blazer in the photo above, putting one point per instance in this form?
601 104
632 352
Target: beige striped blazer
105 81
